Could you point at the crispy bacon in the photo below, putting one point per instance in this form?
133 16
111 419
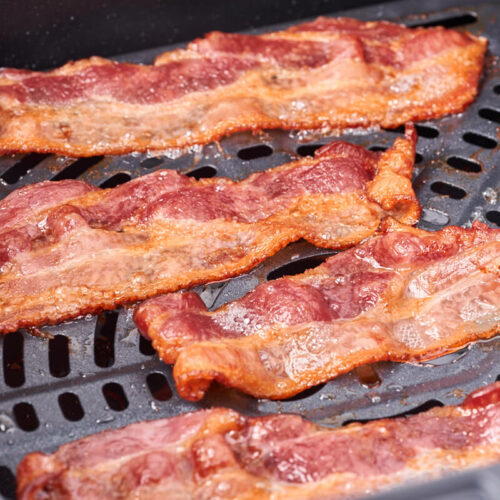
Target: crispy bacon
220 454
406 295
64 253
331 73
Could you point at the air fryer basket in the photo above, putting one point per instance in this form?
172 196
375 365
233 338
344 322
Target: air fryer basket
98 373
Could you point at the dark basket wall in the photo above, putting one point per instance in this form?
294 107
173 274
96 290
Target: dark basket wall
44 34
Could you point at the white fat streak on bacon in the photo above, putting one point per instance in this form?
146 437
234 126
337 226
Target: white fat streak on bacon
406 295
72 255
333 74
219 454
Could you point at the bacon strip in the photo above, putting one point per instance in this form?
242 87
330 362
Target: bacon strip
62 257
406 295
332 73
221 454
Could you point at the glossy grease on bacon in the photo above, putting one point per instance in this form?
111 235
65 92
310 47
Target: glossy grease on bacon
405 295
329 74
67 248
220 454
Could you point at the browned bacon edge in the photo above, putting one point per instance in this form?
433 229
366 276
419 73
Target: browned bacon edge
405 295
68 249
328 74
220 454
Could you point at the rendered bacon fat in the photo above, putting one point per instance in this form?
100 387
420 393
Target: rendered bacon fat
63 254
331 73
405 295
219 454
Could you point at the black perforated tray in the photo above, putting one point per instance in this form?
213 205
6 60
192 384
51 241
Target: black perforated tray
97 373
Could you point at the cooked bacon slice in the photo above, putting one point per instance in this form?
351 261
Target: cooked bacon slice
64 253
405 295
221 454
331 73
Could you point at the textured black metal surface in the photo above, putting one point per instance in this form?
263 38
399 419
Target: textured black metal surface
96 373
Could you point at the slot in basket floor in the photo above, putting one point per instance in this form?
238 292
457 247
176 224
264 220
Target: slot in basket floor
97 373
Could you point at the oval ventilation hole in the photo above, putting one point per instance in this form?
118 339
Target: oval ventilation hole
115 396
449 21
254 152
445 189
464 164
13 359
368 376
496 89
479 140
14 173
77 168
59 356
71 407
158 386
490 114
7 483
307 393
145 346
115 180
152 162
297 266
493 216
428 405
398 130
203 172
104 339
434 217
26 417
308 149
426 131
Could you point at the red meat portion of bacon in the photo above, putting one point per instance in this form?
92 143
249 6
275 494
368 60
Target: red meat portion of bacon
219 453
404 295
331 73
68 249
